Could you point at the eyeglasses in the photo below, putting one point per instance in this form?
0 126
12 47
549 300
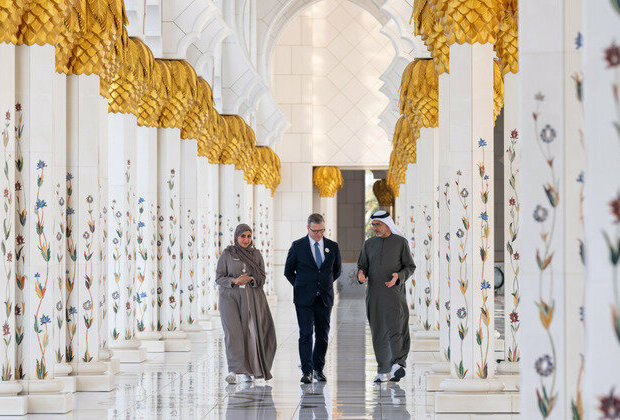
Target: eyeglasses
316 230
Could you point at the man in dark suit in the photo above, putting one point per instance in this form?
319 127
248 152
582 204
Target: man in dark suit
312 265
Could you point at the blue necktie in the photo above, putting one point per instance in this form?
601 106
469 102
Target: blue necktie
317 255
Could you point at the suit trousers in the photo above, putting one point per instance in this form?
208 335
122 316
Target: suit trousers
314 318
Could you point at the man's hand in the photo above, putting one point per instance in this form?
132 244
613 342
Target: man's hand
242 280
361 277
393 281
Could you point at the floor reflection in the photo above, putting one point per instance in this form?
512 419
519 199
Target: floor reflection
190 385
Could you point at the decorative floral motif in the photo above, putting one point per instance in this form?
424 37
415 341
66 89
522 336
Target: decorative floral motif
141 269
116 272
609 406
546 392
483 337
544 365
447 257
89 237
7 256
463 281
171 255
20 243
71 271
429 266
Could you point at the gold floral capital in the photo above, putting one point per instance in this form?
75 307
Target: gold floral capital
328 180
470 21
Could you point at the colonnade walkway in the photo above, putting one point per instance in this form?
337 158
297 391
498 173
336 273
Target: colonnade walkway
190 385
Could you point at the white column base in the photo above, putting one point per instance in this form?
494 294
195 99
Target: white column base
95 383
191 327
490 404
176 341
46 397
425 344
12 404
130 355
433 382
113 366
206 324
426 335
153 346
199 336
508 368
441 367
69 384
426 357
472 385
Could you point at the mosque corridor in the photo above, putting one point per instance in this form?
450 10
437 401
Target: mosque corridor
191 385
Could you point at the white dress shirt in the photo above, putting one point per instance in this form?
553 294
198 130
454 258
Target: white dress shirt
321 248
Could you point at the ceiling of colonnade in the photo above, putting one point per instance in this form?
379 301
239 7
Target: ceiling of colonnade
327 69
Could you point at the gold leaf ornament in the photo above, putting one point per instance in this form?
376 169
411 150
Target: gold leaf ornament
328 180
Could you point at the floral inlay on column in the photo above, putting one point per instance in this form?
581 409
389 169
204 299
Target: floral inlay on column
160 256
130 257
41 320
513 353
116 256
446 303
483 336
70 308
413 244
428 272
7 320
191 245
171 255
20 243
88 305
612 237
545 367
61 249
141 268
462 235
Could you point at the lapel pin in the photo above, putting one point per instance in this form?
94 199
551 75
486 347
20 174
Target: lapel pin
326 249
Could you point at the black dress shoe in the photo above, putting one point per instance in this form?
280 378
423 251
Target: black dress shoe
318 374
307 378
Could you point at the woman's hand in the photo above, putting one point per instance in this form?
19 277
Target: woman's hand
242 280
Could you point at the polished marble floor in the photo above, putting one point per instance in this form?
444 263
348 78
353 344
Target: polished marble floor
191 385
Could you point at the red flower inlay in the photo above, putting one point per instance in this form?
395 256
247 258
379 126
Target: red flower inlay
612 55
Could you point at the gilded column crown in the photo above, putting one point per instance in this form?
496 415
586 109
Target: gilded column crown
133 80
198 114
422 92
218 132
98 24
11 12
404 140
507 44
252 173
328 180
231 145
149 109
383 192
498 88
42 21
276 171
469 21
247 144
181 86
427 24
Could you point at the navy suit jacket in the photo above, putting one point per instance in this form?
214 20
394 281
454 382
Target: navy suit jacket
307 279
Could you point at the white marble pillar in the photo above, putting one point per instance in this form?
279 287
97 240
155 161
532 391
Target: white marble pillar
40 161
444 237
120 238
169 235
413 198
188 233
85 119
471 219
550 199
602 208
214 234
147 309
408 229
11 116
512 207
426 224
262 233
328 208
202 238
229 203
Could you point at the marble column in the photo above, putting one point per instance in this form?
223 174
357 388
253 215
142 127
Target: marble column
169 236
512 207
245 208
86 119
11 114
427 238
601 390
262 232
412 184
444 238
121 234
214 235
147 308
550 199
328 208
409 230
229 203
471 220
40 159
188 241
